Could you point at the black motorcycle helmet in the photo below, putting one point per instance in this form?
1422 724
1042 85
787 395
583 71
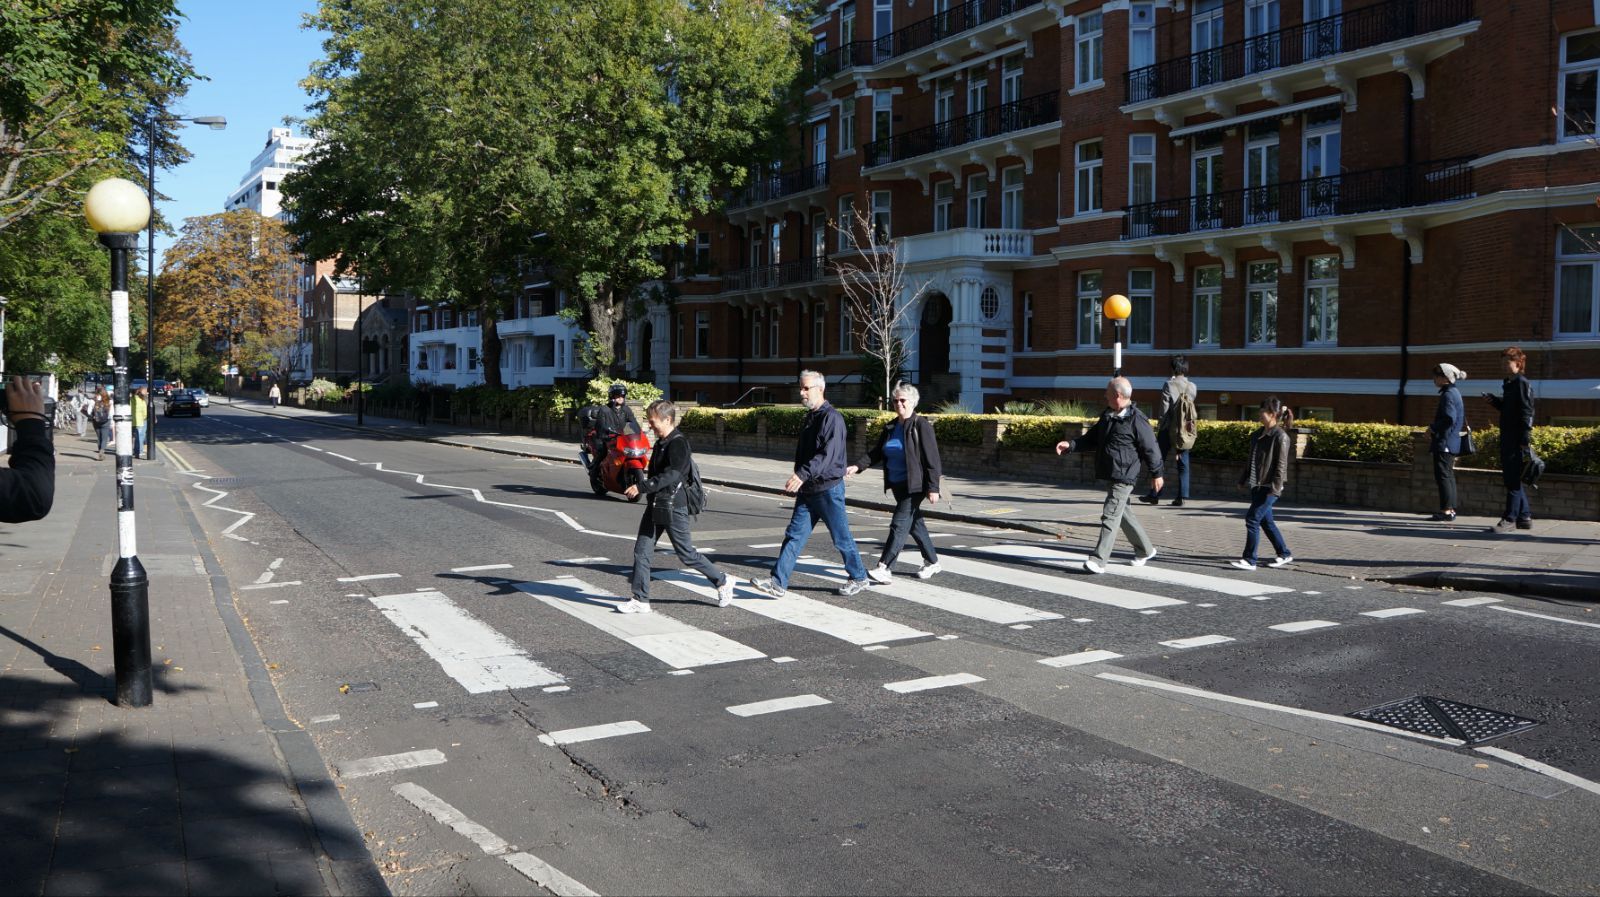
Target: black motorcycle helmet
618 391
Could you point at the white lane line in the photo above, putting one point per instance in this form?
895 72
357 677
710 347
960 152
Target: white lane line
1470 602
594 733
1529 613
544 462
480 567
547 876
946 638
1203 604
928 682
275 564
1303 625
1263 705
1082 620
1021 626
343 457
270 585
875 648
467 649
1199 641
818 616
783 660
1070 559
218 495
1391 612
264 578
326 718
372 766
777 705
1065 586
596 560
424 705
279 601
1080 658
674 643
1559 775
684 672
966 604
768 545
558 688
365 577
1149 612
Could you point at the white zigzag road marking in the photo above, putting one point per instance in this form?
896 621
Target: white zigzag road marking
246 517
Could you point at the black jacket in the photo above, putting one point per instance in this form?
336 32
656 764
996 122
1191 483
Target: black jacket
28 488
819 456
1448 419
1516 415
923 468
615 419
669 467
1270 451
1122 442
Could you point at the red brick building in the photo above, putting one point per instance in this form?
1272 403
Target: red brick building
1320 199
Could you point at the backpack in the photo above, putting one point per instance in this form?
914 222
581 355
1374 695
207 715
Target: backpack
99 417
1188 426
696 491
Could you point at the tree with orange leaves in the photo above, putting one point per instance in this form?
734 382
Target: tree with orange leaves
229 275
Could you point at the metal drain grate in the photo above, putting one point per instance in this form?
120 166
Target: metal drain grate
1445 719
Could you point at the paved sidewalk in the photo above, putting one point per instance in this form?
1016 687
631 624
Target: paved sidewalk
1558 559
210 790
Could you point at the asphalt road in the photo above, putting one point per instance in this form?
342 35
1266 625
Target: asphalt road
439 619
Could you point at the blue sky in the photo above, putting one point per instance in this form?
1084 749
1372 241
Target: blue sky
255 55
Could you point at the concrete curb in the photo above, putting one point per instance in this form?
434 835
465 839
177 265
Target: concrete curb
1470 582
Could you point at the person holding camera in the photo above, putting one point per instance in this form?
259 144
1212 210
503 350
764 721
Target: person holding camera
28 488
1516 439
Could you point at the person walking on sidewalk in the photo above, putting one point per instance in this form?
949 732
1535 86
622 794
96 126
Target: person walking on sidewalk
28 486
275 394
1516 439
100 417
667 482
141 419
1444 437
1175 416
818 487
909 454
82 404
1121 438
1264 476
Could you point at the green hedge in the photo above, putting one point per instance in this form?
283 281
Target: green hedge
1033 434
742 421
958 429
1380 443
1223 440
700 420
1570 450
784 420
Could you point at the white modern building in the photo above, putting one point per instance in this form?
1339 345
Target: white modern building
258 189
537 345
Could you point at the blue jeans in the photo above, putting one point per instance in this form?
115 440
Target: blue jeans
1180 460
1259 518
139 437
811 508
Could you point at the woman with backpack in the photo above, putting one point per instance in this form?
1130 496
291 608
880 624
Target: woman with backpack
1265 476
911 472
1444 437
1176 414
100 416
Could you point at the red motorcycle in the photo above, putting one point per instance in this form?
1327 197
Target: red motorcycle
614 460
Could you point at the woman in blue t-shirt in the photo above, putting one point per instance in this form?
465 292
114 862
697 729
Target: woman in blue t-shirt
910 458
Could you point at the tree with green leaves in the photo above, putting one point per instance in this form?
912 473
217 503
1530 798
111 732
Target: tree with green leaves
461 137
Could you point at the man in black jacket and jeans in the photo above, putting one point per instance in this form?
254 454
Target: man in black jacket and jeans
28 488
1123 437
666 482
1516 439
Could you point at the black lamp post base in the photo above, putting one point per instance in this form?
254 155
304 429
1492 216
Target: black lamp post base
130 632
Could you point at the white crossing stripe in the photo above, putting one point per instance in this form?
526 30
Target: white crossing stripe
1080 658
1303 625
547 876
1150 572
1065 586
594 733
1199 641
966 604
480 567
424 705
928 682
372 766
1470 602
778 704
369 576
1391 612
271 585
1529 613
675 643
818 616
469 650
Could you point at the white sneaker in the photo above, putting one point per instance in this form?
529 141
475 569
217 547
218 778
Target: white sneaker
880 574
634 606
1093 566
1243 564
769 588
853 587
928 571
725 592
1281 561
1141 561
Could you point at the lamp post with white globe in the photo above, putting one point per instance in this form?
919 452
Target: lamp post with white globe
117 209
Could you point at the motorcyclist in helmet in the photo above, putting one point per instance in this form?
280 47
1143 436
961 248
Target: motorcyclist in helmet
616 416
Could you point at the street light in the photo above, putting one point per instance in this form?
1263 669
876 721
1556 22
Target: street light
215 123
1117 310
5 428
118 210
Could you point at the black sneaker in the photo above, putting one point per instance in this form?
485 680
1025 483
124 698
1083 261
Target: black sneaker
1443 516
1150 499
1504 526
1177 502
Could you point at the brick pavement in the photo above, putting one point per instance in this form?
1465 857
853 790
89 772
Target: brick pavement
207 791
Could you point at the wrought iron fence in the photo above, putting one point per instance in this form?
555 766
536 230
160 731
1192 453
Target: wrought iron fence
777 186
828 63
1028 112
768 277
940 25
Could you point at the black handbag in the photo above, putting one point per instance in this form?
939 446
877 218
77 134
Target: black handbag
1469 446
1532 469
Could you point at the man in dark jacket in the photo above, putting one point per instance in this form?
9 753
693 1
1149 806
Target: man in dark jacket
616 416
1516 439
1444 437
666 482
818 485
28 488
1122 438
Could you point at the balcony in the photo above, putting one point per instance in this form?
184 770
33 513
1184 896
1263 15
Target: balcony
787 276
826 64
542 325
984 245
771 188
1400 35
937 39
1351 193
995 122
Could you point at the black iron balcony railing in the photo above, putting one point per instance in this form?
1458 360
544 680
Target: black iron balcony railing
769 277
1027 112
1351 193
776 186
919 34
1357 29
828 63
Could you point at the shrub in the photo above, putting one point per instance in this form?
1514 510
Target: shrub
1570 450
394 392
323 389
1223 440
784 420
871 418
1067 408
740 421
700 420
959 429
956 407
1385 443
1033 434
1017 409
599 391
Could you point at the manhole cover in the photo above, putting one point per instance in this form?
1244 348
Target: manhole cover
1445 719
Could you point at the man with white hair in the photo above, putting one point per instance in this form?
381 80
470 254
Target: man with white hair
1122 438
818 487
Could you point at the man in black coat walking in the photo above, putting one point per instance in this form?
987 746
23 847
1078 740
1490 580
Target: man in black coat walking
1122 438
1516 439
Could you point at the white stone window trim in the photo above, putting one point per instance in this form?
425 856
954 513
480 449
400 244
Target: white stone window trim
1574 260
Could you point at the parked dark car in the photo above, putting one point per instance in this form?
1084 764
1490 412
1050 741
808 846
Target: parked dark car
181 401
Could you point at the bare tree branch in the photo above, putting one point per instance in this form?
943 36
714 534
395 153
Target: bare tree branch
879 294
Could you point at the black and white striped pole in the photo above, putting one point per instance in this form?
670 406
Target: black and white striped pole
118 210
